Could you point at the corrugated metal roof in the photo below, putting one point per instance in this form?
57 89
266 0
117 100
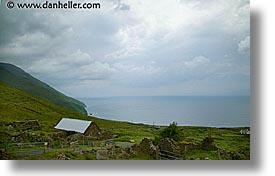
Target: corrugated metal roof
75 125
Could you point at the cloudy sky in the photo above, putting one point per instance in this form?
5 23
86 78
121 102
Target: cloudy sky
133 47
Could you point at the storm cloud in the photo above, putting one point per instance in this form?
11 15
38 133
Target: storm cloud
175 47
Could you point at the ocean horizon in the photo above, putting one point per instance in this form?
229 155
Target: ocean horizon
211 111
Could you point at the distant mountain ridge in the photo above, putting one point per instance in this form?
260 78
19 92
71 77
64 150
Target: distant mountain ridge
18 78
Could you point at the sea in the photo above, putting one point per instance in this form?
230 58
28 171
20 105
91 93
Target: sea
211 111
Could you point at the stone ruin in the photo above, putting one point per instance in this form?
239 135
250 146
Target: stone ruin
189 146
169 145
93 130
26 125
228 155
10 128
207 143
4 155
146 147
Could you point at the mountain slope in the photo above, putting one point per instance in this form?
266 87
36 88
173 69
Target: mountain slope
17 105
18 78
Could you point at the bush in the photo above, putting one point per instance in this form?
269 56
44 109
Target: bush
172 131
156 140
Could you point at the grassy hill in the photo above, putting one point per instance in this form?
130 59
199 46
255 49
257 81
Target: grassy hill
18 78
17 105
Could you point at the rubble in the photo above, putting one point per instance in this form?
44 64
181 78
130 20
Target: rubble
61 156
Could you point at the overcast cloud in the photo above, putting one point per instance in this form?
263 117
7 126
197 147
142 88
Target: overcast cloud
135 47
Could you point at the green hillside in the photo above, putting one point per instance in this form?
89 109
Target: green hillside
16 105
18 78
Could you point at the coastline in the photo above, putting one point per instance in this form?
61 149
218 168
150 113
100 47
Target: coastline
162 125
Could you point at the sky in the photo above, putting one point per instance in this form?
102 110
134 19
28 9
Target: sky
133 47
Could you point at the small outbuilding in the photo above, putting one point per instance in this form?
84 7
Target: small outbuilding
85 127
246 131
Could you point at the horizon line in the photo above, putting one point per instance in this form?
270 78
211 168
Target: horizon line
121 96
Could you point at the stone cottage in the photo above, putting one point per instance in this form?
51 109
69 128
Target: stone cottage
85 127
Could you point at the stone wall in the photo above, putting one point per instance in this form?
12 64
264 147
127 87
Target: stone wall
169 145
26 125
93 130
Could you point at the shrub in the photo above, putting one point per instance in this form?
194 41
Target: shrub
172 131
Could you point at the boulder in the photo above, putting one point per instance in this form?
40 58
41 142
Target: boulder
124 155
102 155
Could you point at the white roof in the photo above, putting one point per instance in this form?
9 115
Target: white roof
75 125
